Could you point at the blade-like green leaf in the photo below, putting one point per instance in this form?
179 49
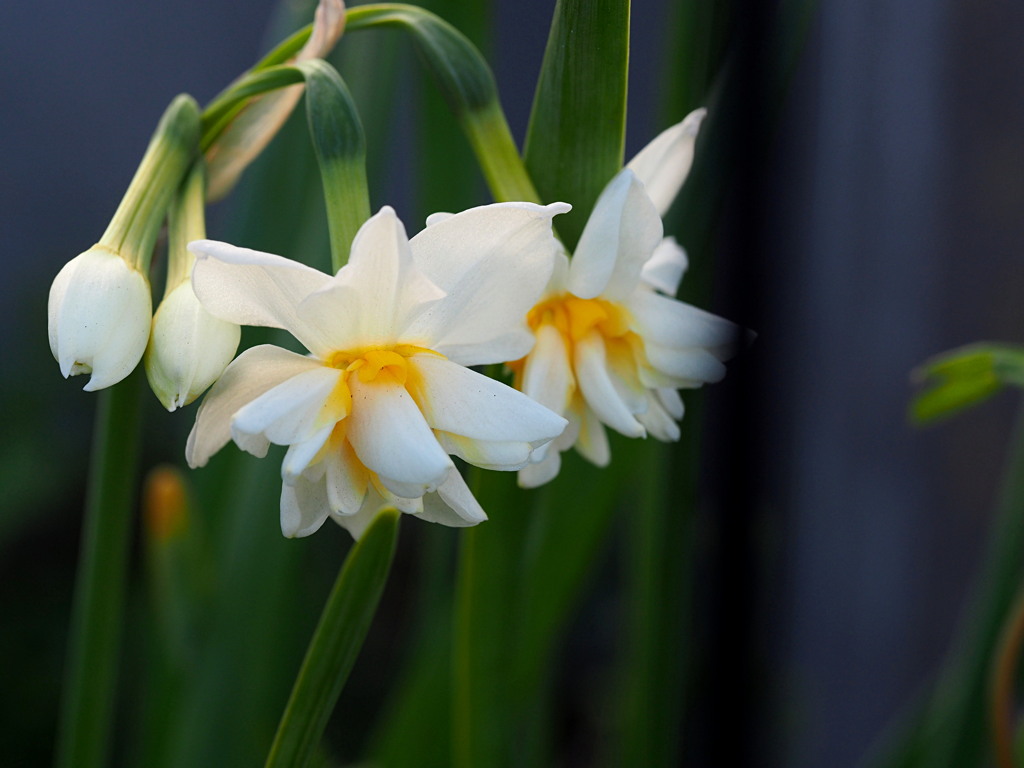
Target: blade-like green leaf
335 645
91 668
575 139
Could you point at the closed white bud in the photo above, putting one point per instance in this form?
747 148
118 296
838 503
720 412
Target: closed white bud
189 348
98 317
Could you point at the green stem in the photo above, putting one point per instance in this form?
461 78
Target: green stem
339 636
498 156
463 653
91 668
133 230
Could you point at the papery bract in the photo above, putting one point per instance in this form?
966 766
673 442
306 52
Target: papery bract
371 415
611 347
98 316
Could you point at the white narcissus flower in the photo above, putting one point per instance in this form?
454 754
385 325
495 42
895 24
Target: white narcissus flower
371 415
98 317
612 346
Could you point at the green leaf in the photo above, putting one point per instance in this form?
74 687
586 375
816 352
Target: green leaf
964 377
91 670
335 645
575 139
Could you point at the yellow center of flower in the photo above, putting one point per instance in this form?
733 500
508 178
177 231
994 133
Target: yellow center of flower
575 317
389 364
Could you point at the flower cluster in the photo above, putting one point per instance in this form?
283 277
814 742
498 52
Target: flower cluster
373 414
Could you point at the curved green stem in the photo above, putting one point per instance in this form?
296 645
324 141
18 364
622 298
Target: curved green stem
91 668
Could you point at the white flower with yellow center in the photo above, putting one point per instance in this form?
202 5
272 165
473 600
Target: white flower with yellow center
612 346
371 415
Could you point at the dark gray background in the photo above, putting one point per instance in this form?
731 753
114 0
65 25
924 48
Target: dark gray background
893 210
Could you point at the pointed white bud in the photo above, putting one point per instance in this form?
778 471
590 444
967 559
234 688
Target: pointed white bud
98 317
189 348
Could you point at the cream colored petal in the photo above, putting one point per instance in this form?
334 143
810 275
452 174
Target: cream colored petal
346 478
670 323
541 472
597 387
254 372
486 454
494 262
666 267
658 422
664 164
453 504
249 287
303 507
458 400
300 455
592 442
671 401
547 373
391 291
693 363
295 410
620 235
391 438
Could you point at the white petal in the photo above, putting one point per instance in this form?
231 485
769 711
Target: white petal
595 382
249 287
592 442
487 454
671 401
494 262
664 164
692 364
188 348
98 317
358 523
658 422
664 270
391 438
671 323
303 507
346 478
295 409
464 402
536 475
620 235
390 289
300 455
547 373
253 373
453 504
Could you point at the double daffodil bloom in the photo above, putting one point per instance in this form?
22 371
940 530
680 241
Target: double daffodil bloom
371 415
612 345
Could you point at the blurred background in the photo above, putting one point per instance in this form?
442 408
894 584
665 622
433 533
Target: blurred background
873 220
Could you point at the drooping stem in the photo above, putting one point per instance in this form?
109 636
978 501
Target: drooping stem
91 668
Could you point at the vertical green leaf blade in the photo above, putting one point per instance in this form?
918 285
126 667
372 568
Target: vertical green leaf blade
339 636
575 139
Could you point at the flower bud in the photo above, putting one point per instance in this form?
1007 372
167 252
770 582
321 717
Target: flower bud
98 317
189 348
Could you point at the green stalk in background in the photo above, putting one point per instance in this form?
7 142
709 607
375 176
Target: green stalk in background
339 636
91 670
335 130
